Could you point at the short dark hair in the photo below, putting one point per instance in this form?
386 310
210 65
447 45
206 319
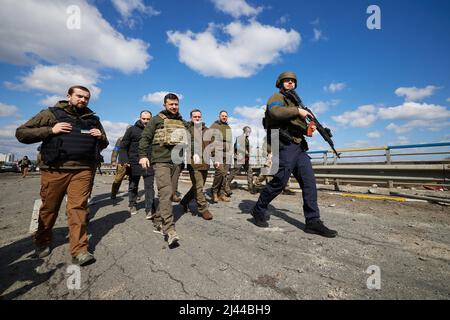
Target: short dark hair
223 111
194 110
170 96
143 111
71 89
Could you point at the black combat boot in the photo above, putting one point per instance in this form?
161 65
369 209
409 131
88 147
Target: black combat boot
262 223
317 227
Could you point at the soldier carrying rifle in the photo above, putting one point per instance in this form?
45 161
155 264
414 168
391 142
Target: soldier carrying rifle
289 118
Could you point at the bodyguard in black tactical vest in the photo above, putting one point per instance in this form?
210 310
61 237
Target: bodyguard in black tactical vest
289 119
72 138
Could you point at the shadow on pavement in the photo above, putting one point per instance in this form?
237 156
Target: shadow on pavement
12 270
24 270
100 227
246 206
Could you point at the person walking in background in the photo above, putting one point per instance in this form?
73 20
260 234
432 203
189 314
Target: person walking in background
219 188
24 165
242 159
121 171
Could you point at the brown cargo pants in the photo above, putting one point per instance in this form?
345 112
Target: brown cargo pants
54 185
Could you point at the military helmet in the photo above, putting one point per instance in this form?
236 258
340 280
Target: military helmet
286 75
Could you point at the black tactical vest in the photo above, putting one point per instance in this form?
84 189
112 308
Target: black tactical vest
78 145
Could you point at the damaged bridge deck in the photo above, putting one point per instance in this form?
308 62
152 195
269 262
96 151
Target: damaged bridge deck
229 257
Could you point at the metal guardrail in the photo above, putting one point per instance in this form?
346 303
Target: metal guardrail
386 170
387 152
431 174
379 171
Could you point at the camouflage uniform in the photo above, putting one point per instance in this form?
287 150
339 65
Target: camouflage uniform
221 153
241 162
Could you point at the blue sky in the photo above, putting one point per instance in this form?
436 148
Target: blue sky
372 87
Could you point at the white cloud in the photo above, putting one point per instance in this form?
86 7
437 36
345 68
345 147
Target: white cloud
57 79
126 8
251 46
51 100
318 35
8 131
157 98
316 22
335 87
430 125
7 110
414 110
322 106
420 115
236 8
42 35
283 19
414 94
114 130
402 140
399 128
9 143
374 135
448 99
358 144
362 117
252 113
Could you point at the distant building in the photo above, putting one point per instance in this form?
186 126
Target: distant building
9 157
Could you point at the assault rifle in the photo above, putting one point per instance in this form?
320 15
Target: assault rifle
324 132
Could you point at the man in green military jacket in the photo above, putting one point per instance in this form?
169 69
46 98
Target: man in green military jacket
165 132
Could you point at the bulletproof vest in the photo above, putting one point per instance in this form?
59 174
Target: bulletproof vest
171 133
74 146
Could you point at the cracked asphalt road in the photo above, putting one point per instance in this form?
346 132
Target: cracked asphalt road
229 257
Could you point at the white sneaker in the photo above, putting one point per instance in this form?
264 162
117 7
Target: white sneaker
158 229
132 210
172 237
